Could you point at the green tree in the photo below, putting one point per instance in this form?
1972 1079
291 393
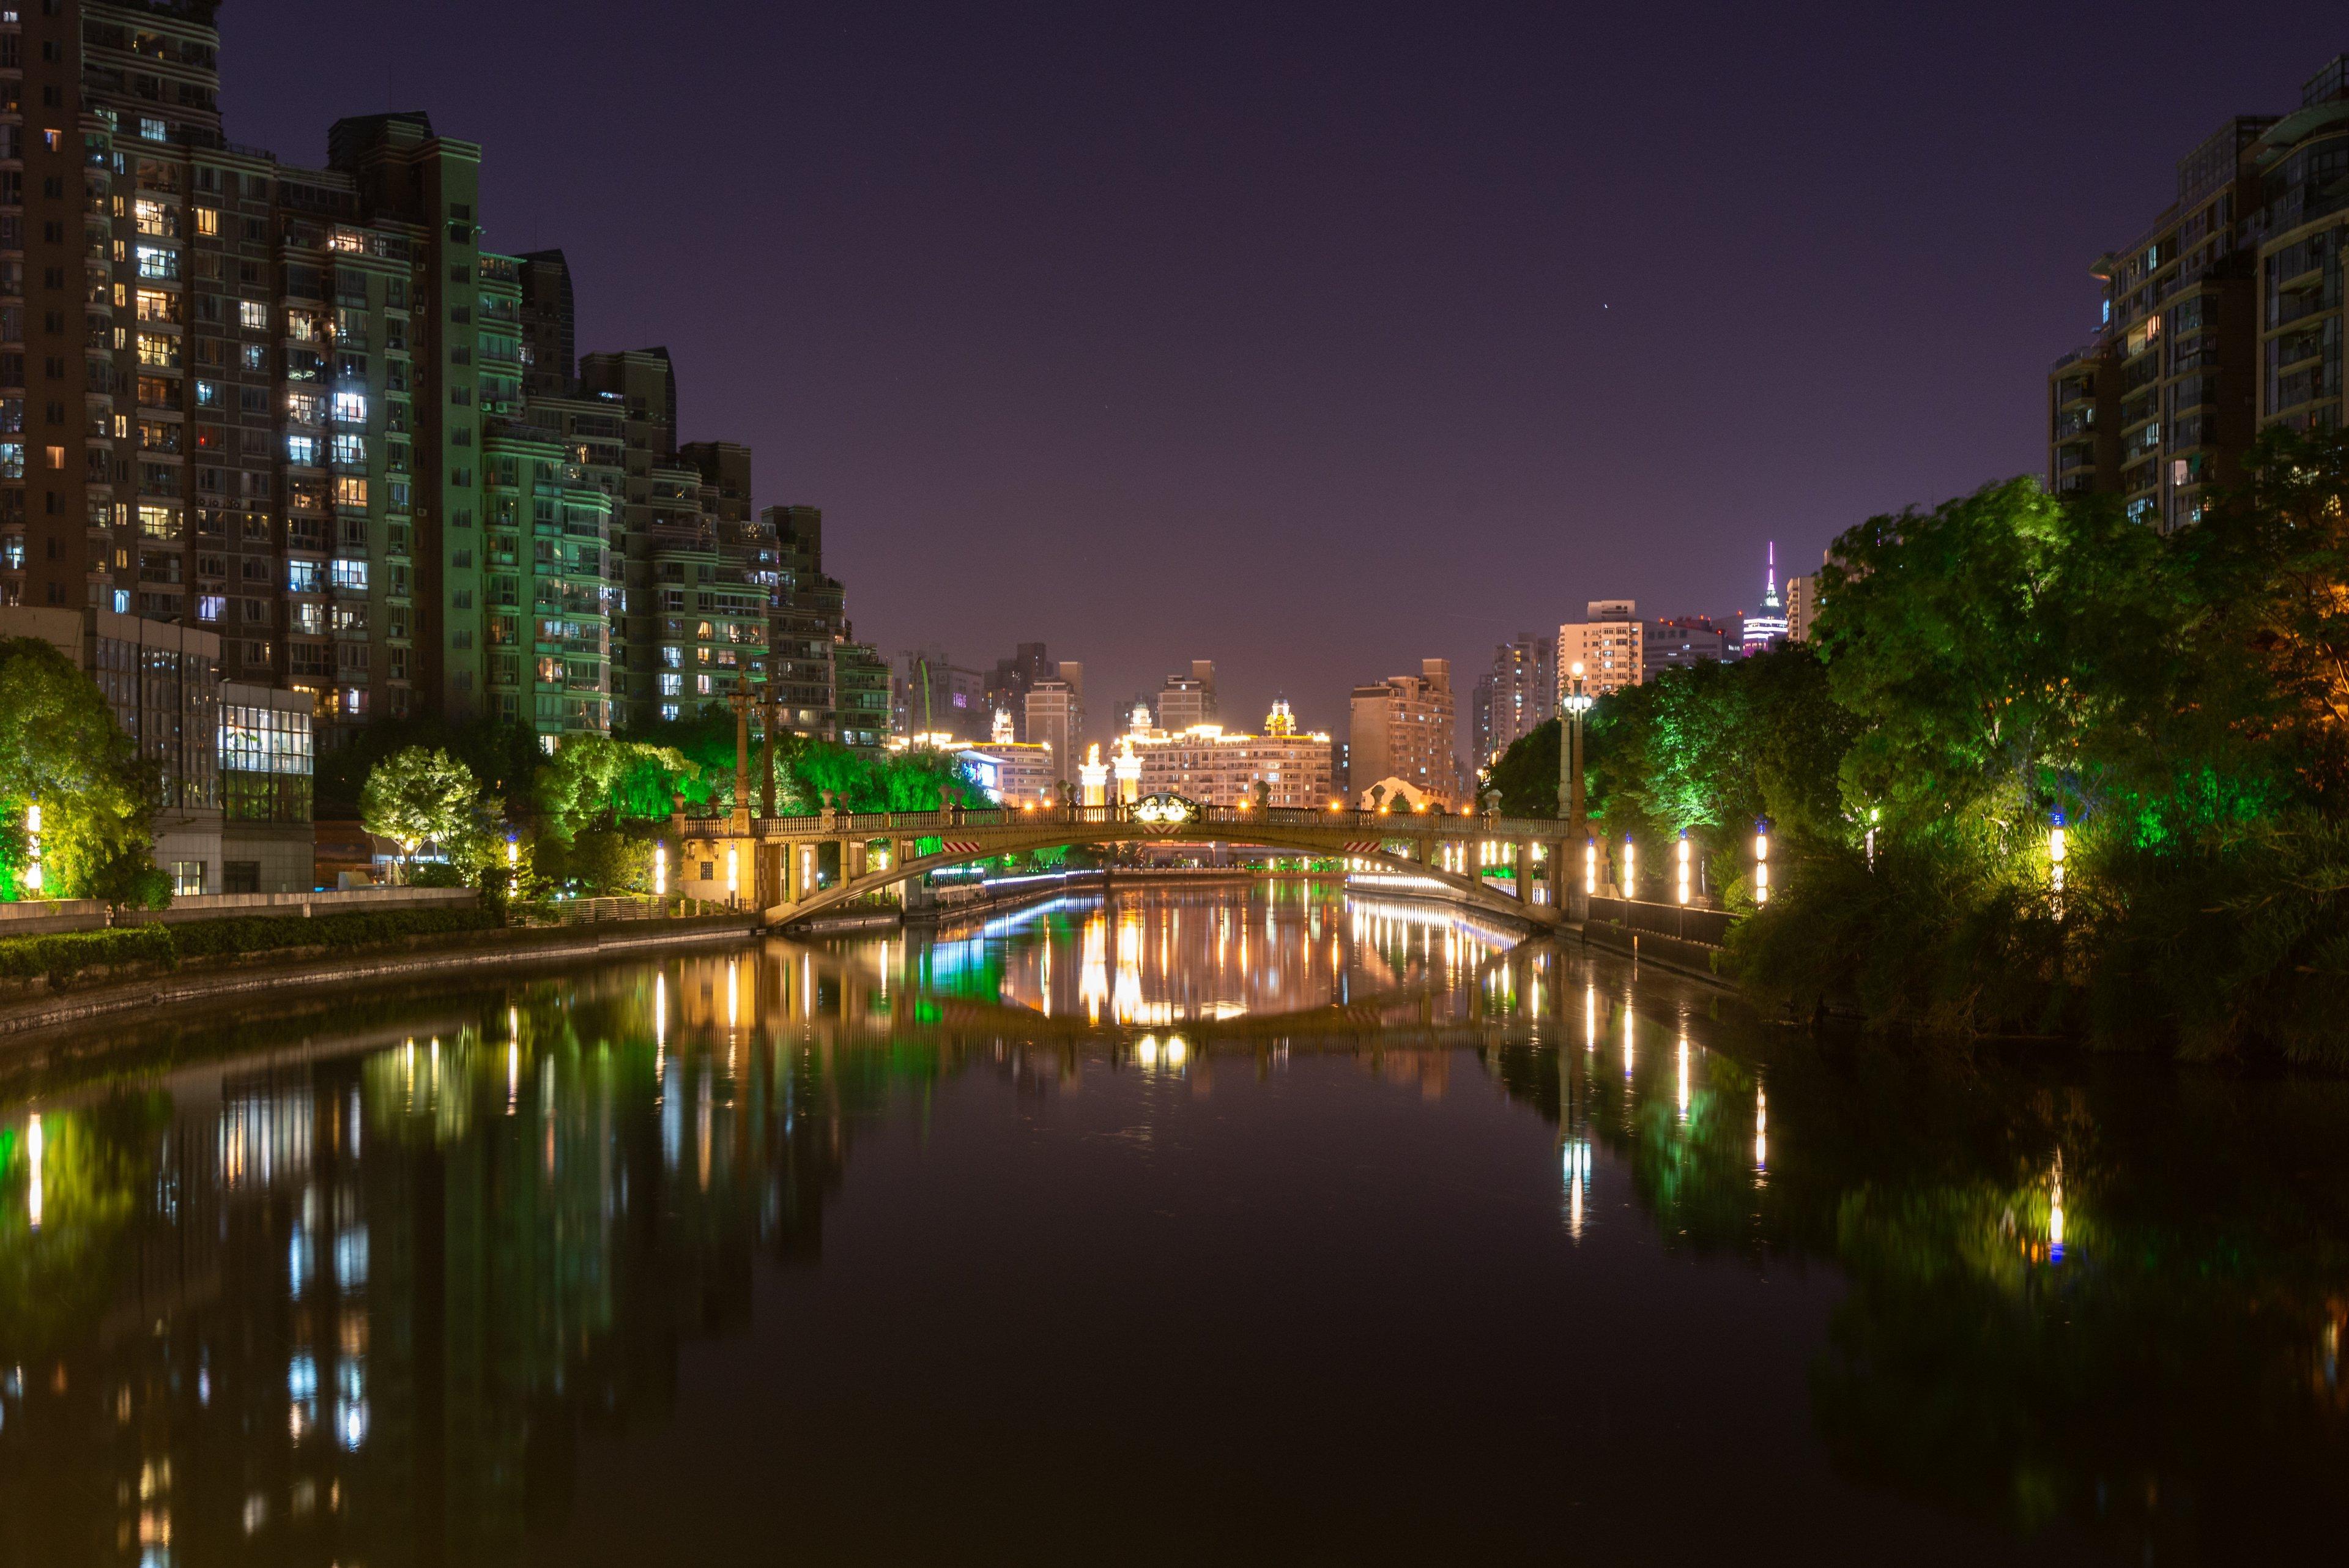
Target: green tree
60 746
416 796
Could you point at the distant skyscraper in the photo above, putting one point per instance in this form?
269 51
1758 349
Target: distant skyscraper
1518 694
1770 625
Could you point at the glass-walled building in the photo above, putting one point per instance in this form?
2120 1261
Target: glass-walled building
268 763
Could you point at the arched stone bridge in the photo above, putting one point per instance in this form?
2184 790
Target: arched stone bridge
781 865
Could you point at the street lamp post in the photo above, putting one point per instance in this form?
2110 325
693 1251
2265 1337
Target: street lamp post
1576 702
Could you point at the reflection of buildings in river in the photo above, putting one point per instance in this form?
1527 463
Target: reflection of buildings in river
1158 958
356 1302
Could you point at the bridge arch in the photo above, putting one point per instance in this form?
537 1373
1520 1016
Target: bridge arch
1470 891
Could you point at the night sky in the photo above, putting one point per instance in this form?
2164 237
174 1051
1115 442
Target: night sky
1312 339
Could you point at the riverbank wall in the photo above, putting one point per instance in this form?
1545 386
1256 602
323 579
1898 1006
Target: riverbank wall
36 1006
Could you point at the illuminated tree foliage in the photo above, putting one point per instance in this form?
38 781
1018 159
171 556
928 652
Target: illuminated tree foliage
2181 699
59 745
595 777
415 798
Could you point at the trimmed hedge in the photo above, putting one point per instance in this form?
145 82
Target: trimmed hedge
359 928
65 954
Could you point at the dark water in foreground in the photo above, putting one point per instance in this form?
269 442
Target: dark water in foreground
1210 1227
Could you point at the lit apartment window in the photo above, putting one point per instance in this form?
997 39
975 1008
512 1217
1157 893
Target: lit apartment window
253 316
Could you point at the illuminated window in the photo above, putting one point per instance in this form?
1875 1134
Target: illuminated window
253 316
56 455
207 220
351 491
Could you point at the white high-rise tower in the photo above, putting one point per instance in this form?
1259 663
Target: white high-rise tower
1770 626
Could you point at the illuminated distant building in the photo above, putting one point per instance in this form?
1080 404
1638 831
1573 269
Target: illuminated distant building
1770 625
1216 766
1013 772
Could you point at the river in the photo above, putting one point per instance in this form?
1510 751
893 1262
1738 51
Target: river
1209 1225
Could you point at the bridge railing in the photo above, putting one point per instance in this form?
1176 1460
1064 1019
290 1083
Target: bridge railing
1238 818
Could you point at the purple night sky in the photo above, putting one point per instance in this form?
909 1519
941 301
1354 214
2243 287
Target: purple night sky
1312 339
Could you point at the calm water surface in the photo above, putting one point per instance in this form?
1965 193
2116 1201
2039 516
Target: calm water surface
1205 1226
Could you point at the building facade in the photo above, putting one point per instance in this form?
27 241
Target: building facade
1405 728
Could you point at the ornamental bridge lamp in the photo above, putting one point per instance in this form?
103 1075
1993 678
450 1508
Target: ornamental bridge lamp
1575 702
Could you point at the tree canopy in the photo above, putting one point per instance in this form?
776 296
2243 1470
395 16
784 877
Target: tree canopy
2178 700
59 745
416 796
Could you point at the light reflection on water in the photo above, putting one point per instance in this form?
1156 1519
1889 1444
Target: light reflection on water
360 1284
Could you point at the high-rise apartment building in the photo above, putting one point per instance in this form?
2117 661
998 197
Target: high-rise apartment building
1188 701
1608 642
303 411
2222 316
1515 697
1402 728
2302 226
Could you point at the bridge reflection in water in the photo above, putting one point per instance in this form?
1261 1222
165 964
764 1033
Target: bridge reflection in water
371 1281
